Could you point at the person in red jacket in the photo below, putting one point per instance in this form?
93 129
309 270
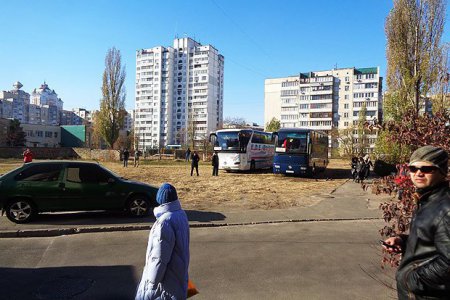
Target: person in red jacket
27 156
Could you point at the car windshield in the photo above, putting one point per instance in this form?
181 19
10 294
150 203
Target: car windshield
111 172
233 140
292 142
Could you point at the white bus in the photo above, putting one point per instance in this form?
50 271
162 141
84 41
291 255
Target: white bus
243 149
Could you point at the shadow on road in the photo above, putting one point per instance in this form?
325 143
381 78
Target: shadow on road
103 218
80 282
335 174
204 216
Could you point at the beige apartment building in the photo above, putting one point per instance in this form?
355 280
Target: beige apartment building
323 100
42 135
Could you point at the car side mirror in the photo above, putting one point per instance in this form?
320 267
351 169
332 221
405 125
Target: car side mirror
111 181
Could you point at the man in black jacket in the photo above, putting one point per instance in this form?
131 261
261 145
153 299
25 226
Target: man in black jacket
194 162
215 164
424 272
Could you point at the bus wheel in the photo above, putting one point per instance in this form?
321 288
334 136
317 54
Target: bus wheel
252 166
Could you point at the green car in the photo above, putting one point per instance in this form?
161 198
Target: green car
70 186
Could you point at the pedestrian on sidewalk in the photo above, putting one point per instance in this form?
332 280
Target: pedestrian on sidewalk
215 164
424 271
27 156
368 164
126 156
165 274
194 162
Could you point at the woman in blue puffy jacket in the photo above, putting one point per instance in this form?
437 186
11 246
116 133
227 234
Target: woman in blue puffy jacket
165 274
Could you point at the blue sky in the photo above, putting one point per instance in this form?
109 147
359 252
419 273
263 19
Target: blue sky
65 42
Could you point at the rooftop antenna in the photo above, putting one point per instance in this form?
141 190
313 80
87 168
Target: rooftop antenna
335 66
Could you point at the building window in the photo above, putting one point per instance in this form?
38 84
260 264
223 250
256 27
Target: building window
347 87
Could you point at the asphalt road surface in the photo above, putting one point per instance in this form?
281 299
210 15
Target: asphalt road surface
312 260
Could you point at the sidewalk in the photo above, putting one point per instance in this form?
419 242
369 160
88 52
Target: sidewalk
348 202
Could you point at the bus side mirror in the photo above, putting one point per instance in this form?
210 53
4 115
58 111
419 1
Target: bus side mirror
212 138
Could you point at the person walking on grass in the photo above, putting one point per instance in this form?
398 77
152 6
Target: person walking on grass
194 162
126 156
165 274
424 271
137 154
187 154
215 164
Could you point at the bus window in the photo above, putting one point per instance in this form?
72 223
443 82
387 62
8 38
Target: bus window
233 140
244 138
293 142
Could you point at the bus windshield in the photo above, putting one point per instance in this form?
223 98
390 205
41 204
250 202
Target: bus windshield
292 142
233 140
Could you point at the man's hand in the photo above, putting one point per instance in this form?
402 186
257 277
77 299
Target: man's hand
393 244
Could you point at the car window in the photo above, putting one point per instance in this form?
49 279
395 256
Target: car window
48 172
86 174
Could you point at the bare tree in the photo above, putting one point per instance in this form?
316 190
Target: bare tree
112 105
234 122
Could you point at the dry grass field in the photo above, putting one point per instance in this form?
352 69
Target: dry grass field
230 191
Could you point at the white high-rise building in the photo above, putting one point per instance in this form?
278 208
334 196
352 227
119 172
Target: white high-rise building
50 105
324 100
179 93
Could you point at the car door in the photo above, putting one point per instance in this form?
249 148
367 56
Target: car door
91 187
41 183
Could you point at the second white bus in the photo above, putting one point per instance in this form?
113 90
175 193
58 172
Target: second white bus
243 149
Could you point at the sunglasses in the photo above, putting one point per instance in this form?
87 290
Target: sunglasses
423 169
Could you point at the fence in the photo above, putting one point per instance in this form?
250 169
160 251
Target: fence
91 154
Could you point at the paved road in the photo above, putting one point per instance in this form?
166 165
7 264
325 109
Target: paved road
310 260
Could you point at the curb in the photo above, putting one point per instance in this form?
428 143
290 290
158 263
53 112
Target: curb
70 231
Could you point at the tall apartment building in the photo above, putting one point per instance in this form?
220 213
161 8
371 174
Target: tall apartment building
179 93
14 103
128 121
324 100
50 105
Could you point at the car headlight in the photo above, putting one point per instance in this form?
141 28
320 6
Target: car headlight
276 166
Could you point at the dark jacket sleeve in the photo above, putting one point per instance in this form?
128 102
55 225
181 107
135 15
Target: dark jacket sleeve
436 272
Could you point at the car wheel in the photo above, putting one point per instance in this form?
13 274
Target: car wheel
138 206
20 211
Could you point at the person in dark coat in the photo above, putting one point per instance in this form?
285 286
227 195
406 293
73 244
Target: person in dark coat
215 164
194 162
187 154
424 271
126 156
353 165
